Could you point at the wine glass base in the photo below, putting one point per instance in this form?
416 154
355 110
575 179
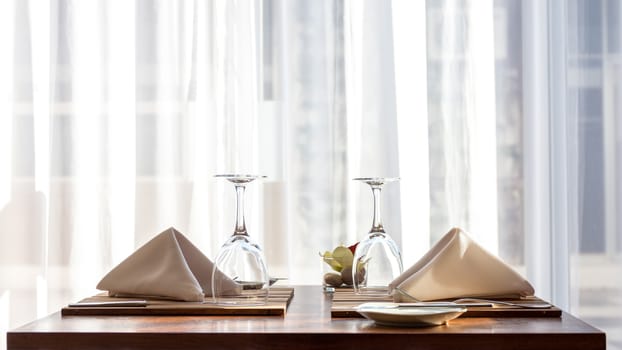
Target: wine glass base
238 302
373 292
245 299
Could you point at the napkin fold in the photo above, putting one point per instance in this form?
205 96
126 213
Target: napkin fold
168 266
458 267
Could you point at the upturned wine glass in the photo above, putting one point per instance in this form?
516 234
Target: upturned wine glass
377 259
240 259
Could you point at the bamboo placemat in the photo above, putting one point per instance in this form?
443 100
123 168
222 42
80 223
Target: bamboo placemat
345 301
278 301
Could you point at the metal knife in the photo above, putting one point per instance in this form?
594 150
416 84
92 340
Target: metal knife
119 303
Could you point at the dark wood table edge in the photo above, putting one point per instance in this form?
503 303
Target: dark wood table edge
192 341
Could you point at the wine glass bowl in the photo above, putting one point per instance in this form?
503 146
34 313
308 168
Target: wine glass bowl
377 258
240 259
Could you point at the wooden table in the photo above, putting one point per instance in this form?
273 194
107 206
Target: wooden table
307 325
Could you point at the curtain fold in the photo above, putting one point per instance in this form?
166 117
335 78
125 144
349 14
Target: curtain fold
463 117
309 93
411 101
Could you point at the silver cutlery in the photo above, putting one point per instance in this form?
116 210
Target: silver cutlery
471 302
463 302
527 305
119 303
476 302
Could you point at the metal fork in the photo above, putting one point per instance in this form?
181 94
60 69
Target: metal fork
478 300
506 303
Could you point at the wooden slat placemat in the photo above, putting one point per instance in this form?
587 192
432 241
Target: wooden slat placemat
278 301
344 302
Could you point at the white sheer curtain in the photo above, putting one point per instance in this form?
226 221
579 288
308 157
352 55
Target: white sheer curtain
500 116
114 119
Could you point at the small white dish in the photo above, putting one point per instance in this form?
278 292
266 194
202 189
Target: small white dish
410 316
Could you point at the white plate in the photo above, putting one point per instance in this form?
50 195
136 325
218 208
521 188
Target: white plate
410 316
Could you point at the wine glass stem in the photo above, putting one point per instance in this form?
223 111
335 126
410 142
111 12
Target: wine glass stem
240 224
377 222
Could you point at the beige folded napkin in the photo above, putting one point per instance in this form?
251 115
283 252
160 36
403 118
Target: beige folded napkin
458 267
168 266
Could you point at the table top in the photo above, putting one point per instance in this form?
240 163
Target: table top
307 324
